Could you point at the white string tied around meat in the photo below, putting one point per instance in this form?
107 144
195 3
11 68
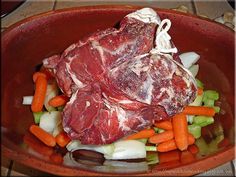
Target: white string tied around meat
163 39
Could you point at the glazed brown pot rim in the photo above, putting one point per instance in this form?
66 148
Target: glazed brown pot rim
186 170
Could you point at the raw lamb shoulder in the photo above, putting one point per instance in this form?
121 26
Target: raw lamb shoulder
121 80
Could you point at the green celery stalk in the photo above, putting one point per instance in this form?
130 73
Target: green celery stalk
37 116
199 83
209 102
202 146
210 94
152 158
217 109
143 140
60 108
151 148
195 130
197 101
203 120
158 130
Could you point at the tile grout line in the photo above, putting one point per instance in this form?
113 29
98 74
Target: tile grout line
9 169
54 5
233 167
194 7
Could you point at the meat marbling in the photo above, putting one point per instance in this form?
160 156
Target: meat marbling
121 81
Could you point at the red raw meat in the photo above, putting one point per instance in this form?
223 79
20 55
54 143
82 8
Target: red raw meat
117 86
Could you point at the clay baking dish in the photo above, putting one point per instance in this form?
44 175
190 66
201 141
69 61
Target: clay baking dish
27 42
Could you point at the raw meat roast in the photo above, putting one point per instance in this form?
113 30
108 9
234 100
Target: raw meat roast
121 80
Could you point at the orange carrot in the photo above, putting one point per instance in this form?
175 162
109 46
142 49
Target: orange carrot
186 157
171 144
37 145
56 158
37 74
199 110
59 100
199 91
146 133
166 125
42 135
39 95
48 74
193 149
169 156
62 139
180 128
161 137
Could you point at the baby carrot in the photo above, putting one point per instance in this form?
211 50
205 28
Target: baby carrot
180 128
166 125
62 139
199 91
171 144
42 135
186 157
193 149
56 158
146 133
59 100
199 110
37 74
39 95
169 156
161 137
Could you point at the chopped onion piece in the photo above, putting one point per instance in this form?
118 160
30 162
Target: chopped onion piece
27 100
189 58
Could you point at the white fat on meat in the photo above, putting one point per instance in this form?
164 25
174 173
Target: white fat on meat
77 82
146 15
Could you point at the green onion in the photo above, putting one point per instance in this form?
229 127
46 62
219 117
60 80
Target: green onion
151 148
199 84
203 120
195 130
37 116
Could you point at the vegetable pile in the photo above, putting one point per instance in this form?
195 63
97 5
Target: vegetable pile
178 133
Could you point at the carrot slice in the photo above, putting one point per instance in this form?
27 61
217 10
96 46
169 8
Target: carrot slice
39 95
56 158
146 133
166 125
180 128
161 137
169 156
37 74
193 149
42 135
199 91
199 110
59 100
62 139
171 144
186 157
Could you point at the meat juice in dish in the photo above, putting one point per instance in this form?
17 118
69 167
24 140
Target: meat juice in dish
119 82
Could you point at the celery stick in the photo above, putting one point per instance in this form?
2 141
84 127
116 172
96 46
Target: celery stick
197 101
60 108
143 140
211 94
195 130
217 109
152 158
202 146
190 119
199 84
203 120
37 116
209 102
158 130
151 148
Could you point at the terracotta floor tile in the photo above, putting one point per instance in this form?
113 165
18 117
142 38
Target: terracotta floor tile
27 9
